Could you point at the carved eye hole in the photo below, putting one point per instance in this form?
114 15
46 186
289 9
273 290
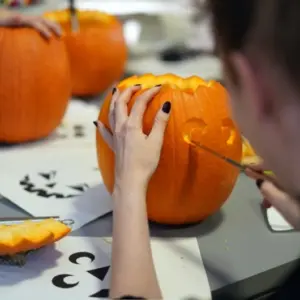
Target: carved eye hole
194 129
229 131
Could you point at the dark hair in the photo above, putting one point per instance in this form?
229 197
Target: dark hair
268 28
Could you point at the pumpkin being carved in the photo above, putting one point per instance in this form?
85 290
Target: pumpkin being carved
189 184
97 52
35 84
29 235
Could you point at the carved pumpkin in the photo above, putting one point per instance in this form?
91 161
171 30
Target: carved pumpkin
30 235
35 84
189 184
97 52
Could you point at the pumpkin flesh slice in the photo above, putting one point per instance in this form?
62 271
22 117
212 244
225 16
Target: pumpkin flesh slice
58 229
9 242
29 235
35 237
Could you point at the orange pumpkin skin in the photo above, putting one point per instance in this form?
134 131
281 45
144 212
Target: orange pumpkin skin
189 184
97 52
35 84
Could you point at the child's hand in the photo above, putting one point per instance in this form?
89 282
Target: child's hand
14 19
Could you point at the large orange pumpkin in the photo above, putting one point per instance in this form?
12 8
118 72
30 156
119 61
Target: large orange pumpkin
35 84
189 184
97 52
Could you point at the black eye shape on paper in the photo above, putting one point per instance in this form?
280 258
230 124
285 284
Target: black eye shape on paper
78 132
45 192
100 273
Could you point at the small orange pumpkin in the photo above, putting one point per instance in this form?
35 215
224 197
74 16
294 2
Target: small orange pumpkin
30 235
97 52
35 84
189 184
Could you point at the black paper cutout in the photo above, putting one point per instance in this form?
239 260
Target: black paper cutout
30 187
101 294
78 132
51 185
73 258
81 188
100 273
59 281
49 175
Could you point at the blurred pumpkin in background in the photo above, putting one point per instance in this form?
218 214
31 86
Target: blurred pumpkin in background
189 184
97 52
35 84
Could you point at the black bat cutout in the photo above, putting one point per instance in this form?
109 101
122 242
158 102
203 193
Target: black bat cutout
59 281
75 256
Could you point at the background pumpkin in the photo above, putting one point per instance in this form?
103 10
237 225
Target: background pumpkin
35 84
97 52
189 184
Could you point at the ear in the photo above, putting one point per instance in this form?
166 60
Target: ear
251 85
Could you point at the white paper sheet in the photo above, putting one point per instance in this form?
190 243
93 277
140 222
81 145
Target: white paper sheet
54 182
276 221
178 263
180 269
59 175
50 273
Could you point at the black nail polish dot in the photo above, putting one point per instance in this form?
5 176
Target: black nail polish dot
113 90
95 123
166 107
137 84
259 182
158 85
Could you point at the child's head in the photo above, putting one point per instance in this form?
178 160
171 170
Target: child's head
259 44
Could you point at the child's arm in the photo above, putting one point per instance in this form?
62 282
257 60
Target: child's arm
14 19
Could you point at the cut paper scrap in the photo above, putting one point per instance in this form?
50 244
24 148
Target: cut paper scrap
276 221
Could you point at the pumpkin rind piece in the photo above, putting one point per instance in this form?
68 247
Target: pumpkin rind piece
29 235
58 229
9 242
34 236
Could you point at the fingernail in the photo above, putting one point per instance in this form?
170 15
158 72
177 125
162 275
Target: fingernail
96 123
259 182
113 90
266 204
166 107
158 85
